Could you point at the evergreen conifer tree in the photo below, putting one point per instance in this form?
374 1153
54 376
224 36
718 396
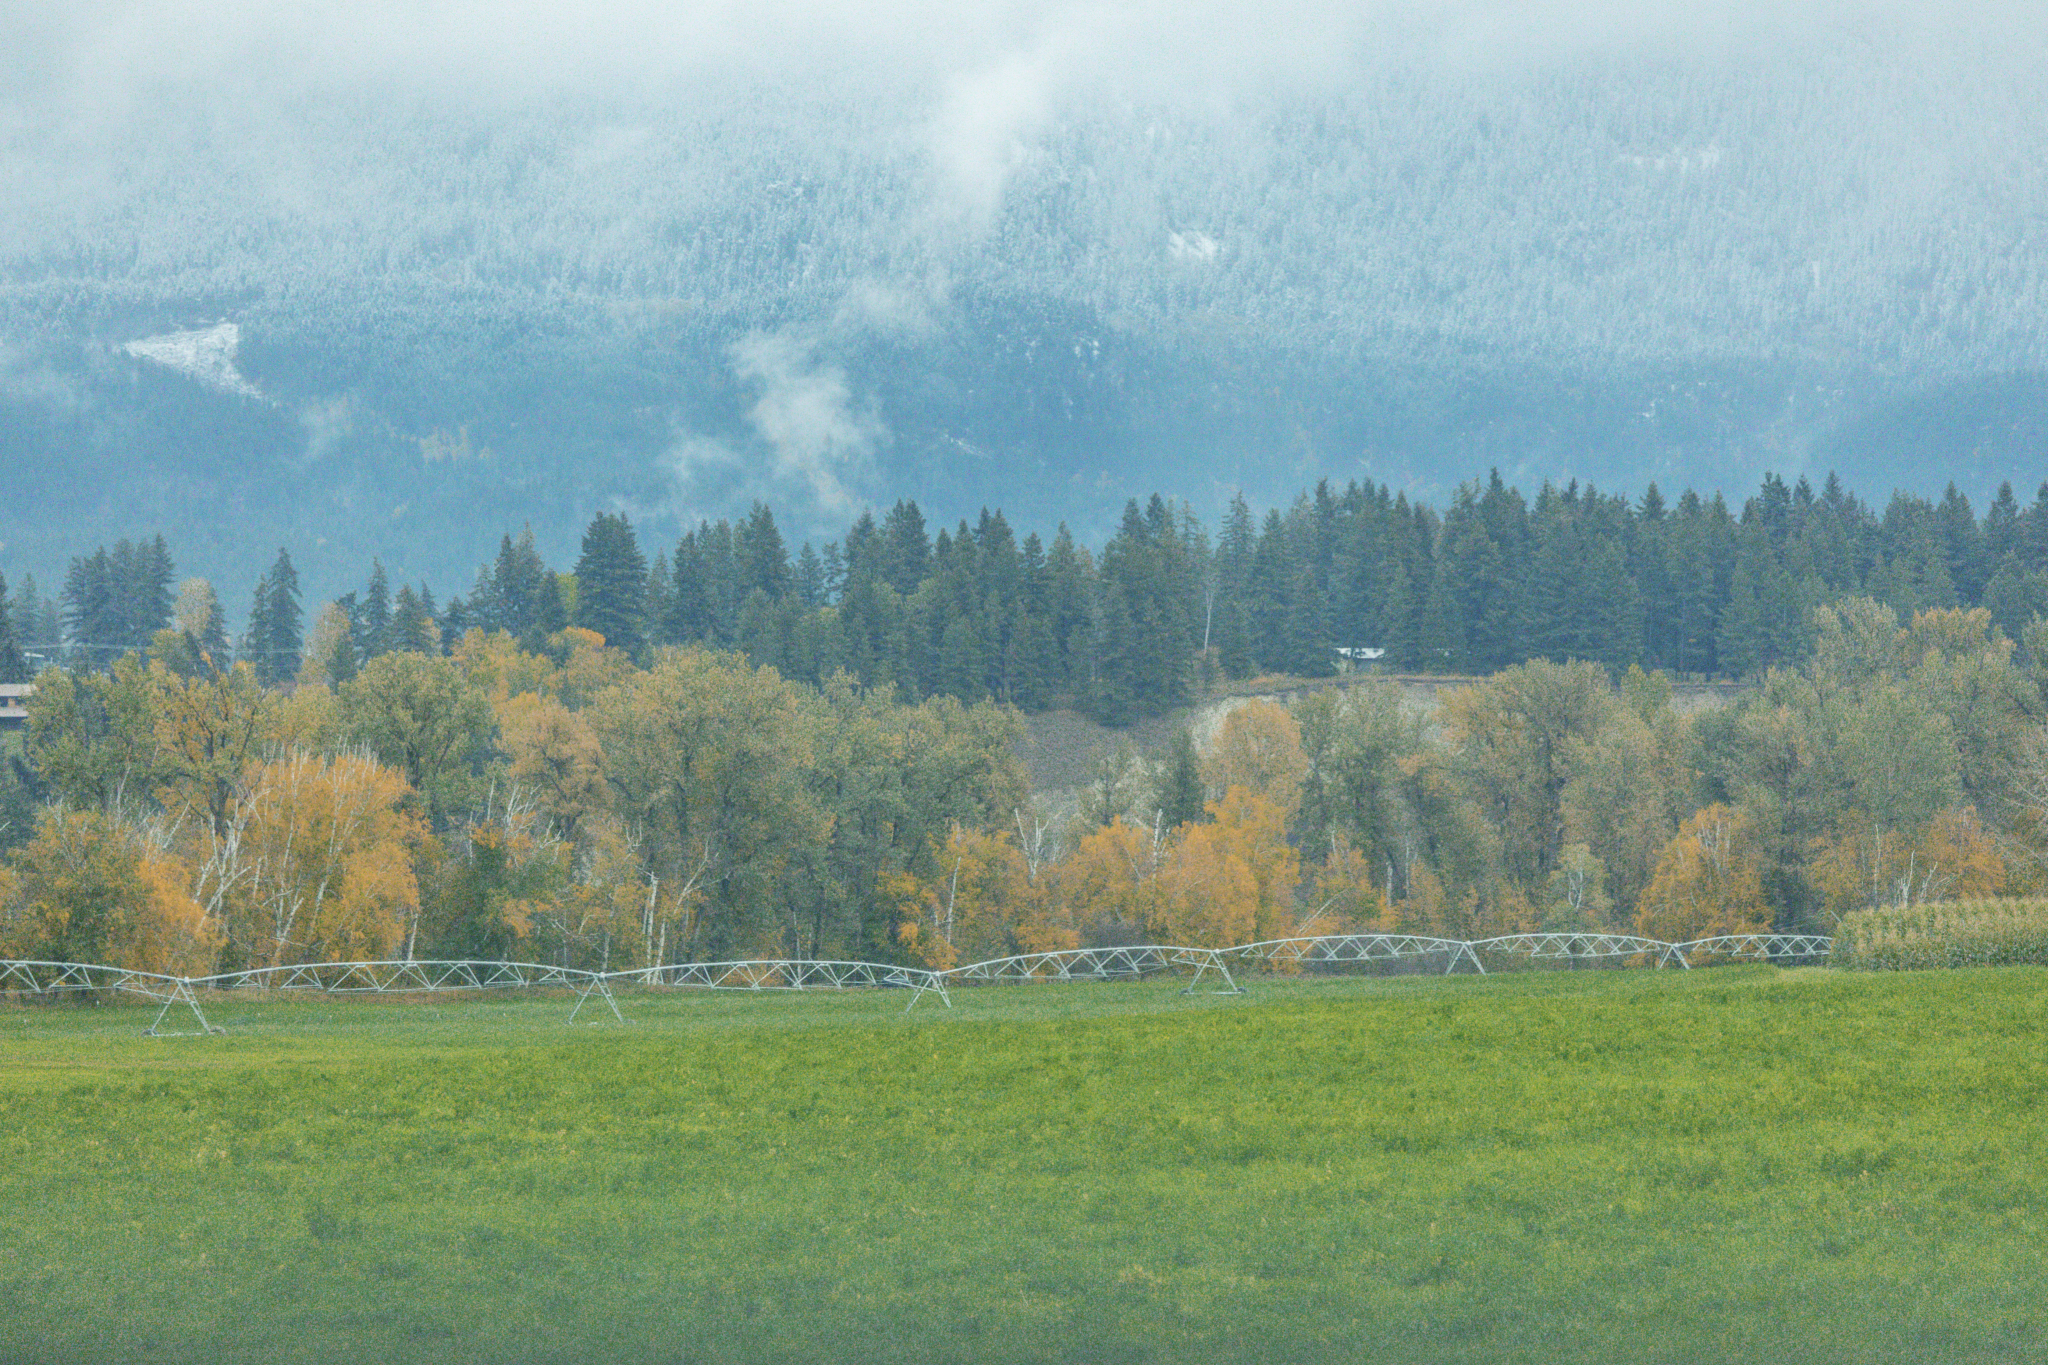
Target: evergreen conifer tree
763 559
832 573
690 616
2001 527
13 663
28 618
1070 595
275 617
1033 668
155 576
341 663
412 627
1962 545
124 613
456 619
1441 645
906 551
611 582
197 613
2033 538
1657 592
550 612
962 660
654 612
376 615
1399 609
809 579
90 625
1181 793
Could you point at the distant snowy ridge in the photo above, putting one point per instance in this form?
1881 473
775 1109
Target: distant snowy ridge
207 355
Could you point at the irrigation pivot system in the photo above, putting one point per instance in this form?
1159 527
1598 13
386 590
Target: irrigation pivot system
790 974
18 978
22 977
1103 964
409 978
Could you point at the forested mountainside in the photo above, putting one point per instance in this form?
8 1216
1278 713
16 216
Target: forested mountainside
378 322
1143 620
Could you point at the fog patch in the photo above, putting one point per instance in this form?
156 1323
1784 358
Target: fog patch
983 133
328 427
31 381
817 436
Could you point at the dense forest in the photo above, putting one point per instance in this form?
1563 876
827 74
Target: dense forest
733 750
1163 608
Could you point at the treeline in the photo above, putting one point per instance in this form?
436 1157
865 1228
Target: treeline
574 805
1138 624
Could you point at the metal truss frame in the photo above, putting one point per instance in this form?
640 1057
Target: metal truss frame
791 974
1358 948
1104 964
801 974
411 978
1581 945
86 978
1760 947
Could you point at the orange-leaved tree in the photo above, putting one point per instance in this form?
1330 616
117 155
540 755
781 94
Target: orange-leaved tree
1105 885
1709 880
1862 865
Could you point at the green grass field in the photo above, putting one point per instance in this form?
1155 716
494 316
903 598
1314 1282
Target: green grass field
1739 1164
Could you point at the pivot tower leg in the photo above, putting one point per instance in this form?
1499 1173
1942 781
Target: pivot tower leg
599 986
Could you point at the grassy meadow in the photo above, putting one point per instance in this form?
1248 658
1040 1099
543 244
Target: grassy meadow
1742 1163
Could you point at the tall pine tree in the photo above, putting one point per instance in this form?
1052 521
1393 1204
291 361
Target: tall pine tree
13 663
611 583
275 619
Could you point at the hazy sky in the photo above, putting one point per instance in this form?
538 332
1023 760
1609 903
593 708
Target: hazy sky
95 63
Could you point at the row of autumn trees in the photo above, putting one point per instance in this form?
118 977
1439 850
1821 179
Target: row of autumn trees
1137 625
574 805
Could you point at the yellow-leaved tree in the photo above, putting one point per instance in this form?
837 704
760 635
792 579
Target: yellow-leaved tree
324 861
981 892
1253 827
1258 748
17 934
91 888
1863 866
1709 881
1207 896
1347 900
493 662
554 754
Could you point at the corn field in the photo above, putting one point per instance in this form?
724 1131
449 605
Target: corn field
1972 933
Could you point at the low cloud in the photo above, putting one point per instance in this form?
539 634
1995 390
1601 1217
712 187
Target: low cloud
29 380
817 437
813 441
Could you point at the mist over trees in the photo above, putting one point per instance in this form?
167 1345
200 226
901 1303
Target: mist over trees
1606 247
